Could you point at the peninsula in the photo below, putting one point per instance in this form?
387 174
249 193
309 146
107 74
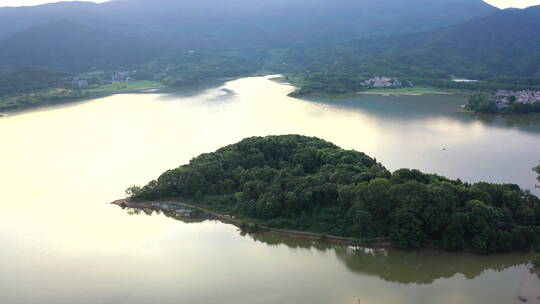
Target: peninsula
307 184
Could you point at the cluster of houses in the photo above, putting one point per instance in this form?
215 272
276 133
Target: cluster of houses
385 82
178 210
503 97
79 83
123 76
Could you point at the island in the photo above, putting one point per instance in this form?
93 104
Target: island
300 183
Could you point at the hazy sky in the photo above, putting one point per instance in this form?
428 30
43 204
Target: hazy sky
33 2
499 3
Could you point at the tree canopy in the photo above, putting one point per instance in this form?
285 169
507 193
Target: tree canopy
306 183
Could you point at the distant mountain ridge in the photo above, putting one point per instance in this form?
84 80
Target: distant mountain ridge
74 47
506 43
248 24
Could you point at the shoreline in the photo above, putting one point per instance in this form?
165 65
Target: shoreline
404 94
227 219
91 95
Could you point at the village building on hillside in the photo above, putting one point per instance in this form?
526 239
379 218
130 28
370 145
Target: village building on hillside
503 98
79 83
123 76
384 82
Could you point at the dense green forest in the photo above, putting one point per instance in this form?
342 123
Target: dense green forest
26 80
306 183
29 87
193 68
502 50
40 98
481 103
77 48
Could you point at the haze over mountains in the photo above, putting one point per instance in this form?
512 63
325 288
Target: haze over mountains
249 23
504 43
466 37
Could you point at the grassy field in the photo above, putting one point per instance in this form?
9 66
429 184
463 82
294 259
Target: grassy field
126 86
407 90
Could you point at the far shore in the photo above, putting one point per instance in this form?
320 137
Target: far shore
227 219
403 94
100 92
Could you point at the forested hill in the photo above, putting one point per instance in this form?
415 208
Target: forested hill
504 44
306 183
26 80
74 47
249 24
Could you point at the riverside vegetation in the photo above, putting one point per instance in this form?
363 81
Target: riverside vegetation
306 183
482 103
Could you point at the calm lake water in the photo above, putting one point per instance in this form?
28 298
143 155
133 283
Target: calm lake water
63 243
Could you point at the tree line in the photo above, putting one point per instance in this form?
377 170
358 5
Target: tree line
482 103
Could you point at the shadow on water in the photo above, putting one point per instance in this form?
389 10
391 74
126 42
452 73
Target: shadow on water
409 108
420 267
526 123
193 90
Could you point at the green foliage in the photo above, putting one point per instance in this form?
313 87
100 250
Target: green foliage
133 192
305 183
536 260
75 47
481 103
40 98
26 80
500 50
196 213
249 227
186 69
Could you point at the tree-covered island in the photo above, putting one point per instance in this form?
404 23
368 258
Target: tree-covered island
305 183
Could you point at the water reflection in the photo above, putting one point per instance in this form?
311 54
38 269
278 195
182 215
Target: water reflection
411 108
62 244
424 266
421 267
527 123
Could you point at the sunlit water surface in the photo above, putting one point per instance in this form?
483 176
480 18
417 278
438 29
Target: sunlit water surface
62 242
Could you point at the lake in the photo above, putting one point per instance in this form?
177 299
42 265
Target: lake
63 243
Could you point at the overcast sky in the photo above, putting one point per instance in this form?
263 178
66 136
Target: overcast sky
499 3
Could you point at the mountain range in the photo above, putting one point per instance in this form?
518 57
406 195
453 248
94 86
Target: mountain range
248 24
503 44
422 38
